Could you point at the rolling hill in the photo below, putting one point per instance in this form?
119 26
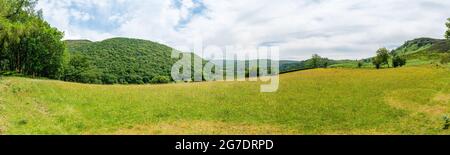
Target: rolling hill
418 51
425 49
429 45
122 60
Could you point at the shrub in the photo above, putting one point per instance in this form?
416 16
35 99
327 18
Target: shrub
109 79
377 62
446 122
122 81
360 64
90 76
398 61
147 79
160 79
445 58
135 79
382 57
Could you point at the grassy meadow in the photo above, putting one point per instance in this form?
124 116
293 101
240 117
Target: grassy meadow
409 100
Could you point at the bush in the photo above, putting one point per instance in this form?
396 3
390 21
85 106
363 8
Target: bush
360 64
122 81
28 44
446 122
445 58
135 79
147 79
398 61
160 79
109 79
90 76
377 62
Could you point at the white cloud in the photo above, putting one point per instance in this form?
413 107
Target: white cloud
333 28
81 16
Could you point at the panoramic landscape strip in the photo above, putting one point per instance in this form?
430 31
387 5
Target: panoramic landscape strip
54 85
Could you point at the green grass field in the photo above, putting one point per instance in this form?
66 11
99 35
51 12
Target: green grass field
410 100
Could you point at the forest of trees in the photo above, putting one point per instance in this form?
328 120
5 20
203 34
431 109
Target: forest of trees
118 60
28 44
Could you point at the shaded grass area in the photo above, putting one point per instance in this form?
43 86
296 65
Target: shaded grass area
409 100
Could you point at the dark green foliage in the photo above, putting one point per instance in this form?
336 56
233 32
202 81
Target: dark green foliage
377 62
447 33
360 64
288 66
383 56
445 58
22 122
381 59
318 62
109 79
398 61
314 62
440 46
123 61
28 44
160 79
80 69
446 123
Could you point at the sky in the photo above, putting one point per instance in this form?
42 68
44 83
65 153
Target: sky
338 29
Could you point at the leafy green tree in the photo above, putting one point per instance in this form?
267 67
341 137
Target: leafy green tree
382 57
398 61
91 75
135 79
325 64
109 79
80 69
28 44
447 33
315 61
360 64
160 79
445 58
377 62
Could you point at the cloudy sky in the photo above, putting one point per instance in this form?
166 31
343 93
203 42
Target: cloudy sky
339 29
